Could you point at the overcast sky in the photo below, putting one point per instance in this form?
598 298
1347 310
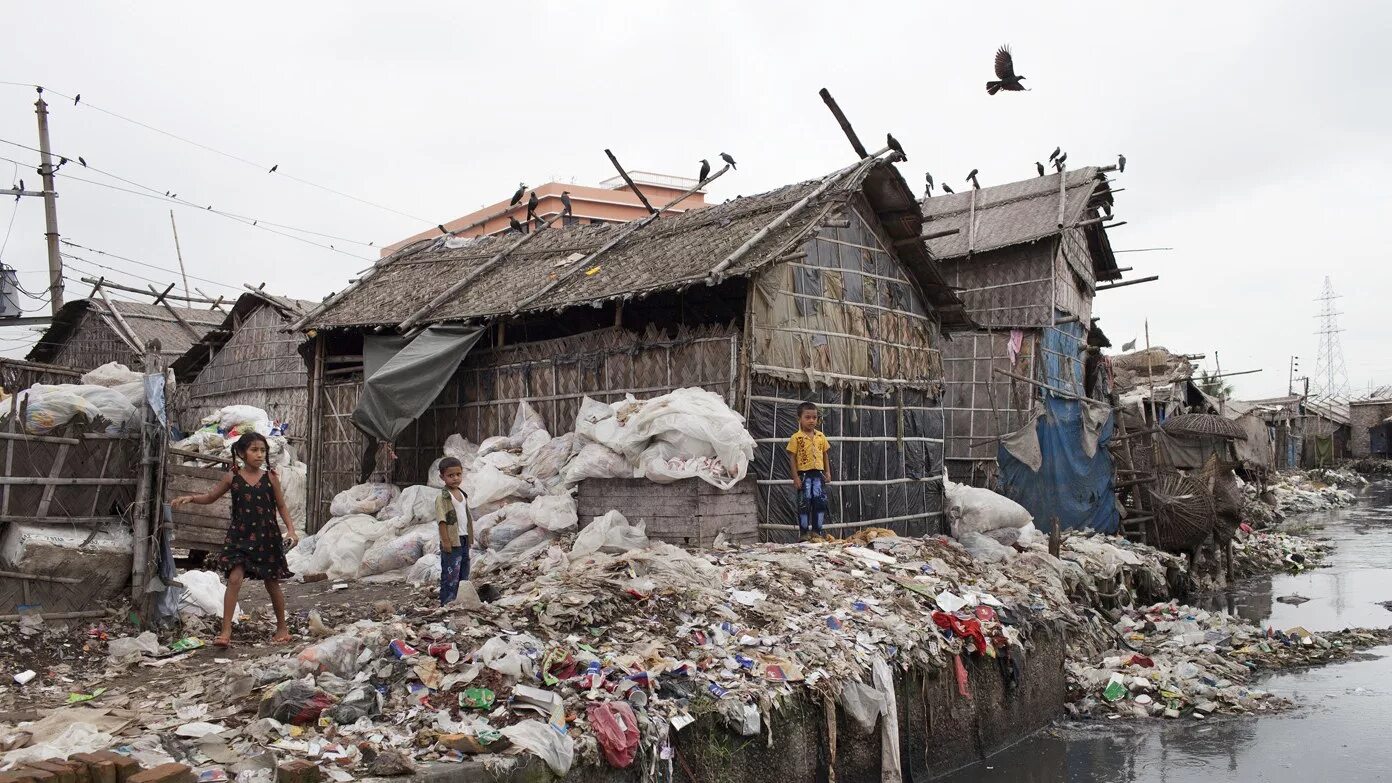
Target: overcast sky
1257 134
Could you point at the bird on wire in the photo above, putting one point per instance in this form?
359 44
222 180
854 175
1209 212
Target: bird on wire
76 98
705 170
517 197
82 161
1055 154
21 187
531 206
725 156
273 169
972 179
947 188
893 144
1121 163
1040 167
512 221
1005 72
565 203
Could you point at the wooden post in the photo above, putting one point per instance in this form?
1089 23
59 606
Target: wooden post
316 450
140 511
1063 195
121 327
1055 537
179 253
1125 283
971 225
629 180
104 283
843 122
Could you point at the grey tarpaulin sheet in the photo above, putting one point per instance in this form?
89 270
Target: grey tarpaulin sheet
1023 443
401 387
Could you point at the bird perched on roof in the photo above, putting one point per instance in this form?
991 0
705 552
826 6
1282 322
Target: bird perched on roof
512 221
1005 72
972 179
1055 153
531 206
928 175
947 188
1061 160
517 197
1121 163
705 170
893 144
725 156
565 203
1040 167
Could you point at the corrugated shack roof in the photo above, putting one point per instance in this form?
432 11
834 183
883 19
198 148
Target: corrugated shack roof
669 253
1017 213
197 356
148 321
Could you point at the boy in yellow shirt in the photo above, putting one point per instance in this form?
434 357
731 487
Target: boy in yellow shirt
810 461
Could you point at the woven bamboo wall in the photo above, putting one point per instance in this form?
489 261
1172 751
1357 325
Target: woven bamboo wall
555 375
980 403
340 447
1011 287
1076 283
259 365
92 344
16 375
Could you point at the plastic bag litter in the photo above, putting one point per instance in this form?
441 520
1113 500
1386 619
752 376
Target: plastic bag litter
521 546
555 513
204 593
548 461
592 412
609 533
295 701
294 485
488 485
516 522
338 548
985 548
553 745
361 702
414 506
129 649
336 654
596 461
241 419
76 737
862 703
506 656
525 422
392 554
46 408
616 728
111 375
976 510
427 569
363 499
741 717
693 422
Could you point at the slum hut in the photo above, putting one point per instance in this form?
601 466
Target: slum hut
820 290
1307 432
1027 390
1256 454
250 358
1370 427
87 333
17 375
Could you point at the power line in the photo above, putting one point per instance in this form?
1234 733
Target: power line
231 156
89 263
156 267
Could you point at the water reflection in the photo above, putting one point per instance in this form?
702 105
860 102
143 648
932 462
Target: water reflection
1339 732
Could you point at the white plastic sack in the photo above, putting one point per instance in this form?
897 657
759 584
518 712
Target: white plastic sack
426 571
396 553
497 443
862 703
985 548
592 412
460 448
501 534
597 461
129 649
523 546
294 485
696 421
111 374
552 745
414 506
204 593
554 513
506 461
243 418
547 461
336 654
525 422
338 548
362 499
976 510
47 408
610 533
488 485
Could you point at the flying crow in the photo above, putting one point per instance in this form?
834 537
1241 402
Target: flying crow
1040 167
1005 72
725 156
517 197
705 170
894 145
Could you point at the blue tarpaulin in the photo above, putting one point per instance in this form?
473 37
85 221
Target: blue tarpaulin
1070 485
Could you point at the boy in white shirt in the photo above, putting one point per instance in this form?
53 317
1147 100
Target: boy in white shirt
450 508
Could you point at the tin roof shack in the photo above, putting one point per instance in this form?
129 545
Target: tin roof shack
1307 432
250 358
1370 428
87 333
1027 258
819 290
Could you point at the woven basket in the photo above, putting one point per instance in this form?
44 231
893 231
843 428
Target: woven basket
1183 512
1202 425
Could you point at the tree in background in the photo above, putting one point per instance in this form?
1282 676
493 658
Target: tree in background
1214 386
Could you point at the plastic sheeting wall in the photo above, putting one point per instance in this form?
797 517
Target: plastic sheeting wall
1070 486
886 458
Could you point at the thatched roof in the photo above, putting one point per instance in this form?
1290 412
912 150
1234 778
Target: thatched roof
669 253
148 321
193 360
1156 366
1020 212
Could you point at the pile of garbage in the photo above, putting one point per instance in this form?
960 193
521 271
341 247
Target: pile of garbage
219 430
1172 660
1266 552
107 399
520 485
1313 490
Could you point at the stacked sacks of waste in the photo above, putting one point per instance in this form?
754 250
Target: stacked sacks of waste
107 398
988 524
520 486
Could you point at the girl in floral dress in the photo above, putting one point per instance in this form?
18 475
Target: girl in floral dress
254 548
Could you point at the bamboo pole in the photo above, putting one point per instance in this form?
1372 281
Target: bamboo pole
624 233
56 615
790 212
121 327
1041 385
1125 283
194 333
464 282
629 180
140 511
843 122
67 580
103 282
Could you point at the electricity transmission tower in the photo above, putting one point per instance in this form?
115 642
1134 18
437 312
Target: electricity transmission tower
1330 379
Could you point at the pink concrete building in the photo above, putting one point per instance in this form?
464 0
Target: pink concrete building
611 202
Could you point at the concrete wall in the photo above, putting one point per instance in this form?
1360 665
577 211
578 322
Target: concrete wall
1363 416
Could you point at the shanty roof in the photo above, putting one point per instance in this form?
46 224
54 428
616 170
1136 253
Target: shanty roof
193 360
148 321
669 253
1020 212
